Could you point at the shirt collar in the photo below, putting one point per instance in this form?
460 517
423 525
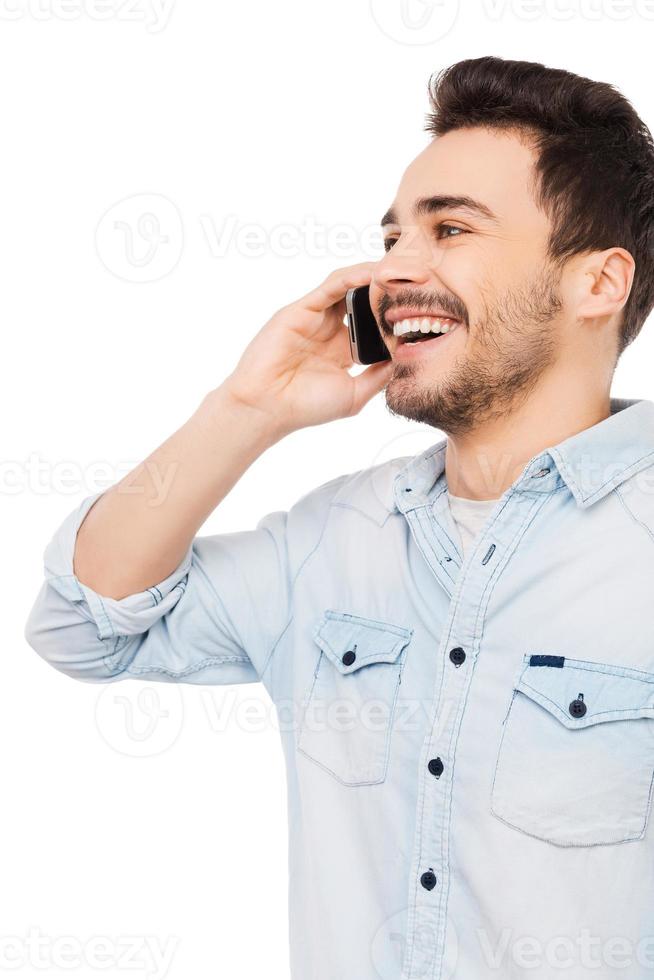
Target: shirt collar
591 463
596 460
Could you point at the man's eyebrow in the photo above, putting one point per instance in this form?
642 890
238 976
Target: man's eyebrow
443 202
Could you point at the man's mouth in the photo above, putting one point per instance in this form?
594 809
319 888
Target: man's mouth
415 329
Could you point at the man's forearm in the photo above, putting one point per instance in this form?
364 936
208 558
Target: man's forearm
139 530
293 373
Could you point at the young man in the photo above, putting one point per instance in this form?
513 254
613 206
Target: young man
472 747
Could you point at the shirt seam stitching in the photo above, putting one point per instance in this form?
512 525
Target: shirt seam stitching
268 661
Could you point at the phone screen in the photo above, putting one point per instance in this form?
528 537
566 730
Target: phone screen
366 342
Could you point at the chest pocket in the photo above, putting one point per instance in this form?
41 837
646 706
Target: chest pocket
348 715
576 757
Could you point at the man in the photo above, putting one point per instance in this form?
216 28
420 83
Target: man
472 741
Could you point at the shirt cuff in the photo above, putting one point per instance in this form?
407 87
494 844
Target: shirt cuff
129 616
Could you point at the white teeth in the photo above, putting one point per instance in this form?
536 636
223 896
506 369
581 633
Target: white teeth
426 324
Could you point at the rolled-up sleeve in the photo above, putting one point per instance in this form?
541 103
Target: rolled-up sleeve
216 619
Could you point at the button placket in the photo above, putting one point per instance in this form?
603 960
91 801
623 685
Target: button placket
428 905
433 866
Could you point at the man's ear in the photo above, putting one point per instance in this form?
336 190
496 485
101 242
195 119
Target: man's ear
608 278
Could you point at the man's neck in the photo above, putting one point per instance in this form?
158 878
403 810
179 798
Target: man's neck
483 463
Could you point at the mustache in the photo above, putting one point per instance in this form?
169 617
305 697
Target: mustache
425 301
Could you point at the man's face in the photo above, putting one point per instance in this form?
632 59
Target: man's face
482 261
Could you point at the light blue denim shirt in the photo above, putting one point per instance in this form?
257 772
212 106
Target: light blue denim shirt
469 744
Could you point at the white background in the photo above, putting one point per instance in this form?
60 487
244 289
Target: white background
157 812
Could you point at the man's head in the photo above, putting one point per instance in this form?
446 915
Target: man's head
529 219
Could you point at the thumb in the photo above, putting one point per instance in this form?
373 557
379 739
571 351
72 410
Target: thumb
369 382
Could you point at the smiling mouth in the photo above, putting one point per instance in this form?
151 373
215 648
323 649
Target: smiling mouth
415 330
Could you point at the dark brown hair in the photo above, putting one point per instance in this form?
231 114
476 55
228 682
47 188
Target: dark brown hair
595 158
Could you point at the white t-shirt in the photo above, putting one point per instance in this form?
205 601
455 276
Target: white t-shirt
469 517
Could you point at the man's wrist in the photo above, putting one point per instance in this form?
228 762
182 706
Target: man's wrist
224 410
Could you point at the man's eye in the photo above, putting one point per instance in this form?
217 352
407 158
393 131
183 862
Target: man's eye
459 231
455 231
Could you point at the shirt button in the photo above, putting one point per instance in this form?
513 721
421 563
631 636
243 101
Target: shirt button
435 767
457 656
349 657
428 880
577 708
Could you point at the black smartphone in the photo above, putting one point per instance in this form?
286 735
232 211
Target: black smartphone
366 341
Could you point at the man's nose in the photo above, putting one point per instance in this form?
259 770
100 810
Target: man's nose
404 264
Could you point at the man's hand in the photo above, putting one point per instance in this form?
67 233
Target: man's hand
294 373
295 370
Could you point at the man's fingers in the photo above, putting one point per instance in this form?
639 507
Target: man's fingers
336 285
340 348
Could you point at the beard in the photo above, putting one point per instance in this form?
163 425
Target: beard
507 352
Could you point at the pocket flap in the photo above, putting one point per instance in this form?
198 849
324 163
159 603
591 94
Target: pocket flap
581 693
352 642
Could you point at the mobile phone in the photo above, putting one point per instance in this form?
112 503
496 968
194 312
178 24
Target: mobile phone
366 343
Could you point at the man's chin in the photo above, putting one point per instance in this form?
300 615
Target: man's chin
414 400
437 404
